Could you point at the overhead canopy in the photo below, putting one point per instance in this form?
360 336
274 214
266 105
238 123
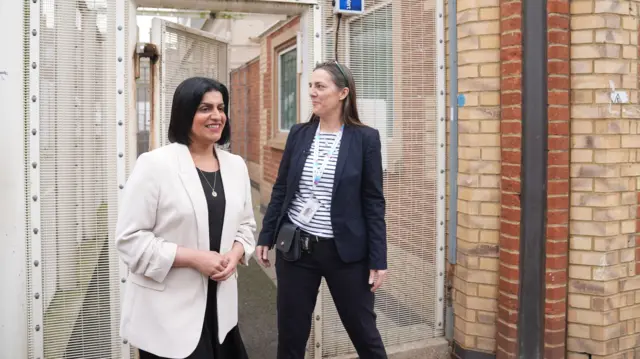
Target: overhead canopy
280 7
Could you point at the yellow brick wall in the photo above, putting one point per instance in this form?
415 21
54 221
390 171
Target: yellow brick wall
476 274
604 295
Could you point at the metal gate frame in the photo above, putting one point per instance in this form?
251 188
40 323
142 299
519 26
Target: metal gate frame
121 130
159 122
441 168
35 241
35 305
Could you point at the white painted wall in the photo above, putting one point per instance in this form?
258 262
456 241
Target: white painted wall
13 296
240 30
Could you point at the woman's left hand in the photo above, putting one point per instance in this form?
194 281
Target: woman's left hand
234 257
376 278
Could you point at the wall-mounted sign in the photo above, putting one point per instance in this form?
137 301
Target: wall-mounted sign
349 7
619 97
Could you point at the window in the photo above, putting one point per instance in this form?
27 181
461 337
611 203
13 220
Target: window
287 88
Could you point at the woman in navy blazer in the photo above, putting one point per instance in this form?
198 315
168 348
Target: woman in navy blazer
326 217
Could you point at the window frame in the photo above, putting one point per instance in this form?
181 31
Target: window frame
279 54
286 39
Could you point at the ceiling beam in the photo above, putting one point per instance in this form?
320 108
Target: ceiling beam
278 7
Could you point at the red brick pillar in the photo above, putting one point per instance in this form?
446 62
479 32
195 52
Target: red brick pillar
511 143
557 241
557 178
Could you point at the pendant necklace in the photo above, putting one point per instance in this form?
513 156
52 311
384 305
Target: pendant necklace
215 177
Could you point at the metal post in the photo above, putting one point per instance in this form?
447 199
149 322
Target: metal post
442 164
120 128
157 128
34 229
318 317
453 132
305 62
245 117
13 238
453 149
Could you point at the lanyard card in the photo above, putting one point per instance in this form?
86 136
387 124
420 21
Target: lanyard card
309 210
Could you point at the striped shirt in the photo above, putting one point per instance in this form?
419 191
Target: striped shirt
320 224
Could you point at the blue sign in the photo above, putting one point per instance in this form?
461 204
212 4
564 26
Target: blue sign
354 7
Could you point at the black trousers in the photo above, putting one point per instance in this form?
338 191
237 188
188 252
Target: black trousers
298 284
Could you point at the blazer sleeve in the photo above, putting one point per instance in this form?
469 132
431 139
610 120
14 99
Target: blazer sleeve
247 227
373 202
278 194
139 248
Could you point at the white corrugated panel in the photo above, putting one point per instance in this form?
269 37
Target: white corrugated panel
394 52
185 53
76 282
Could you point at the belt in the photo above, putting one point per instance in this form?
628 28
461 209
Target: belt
307 241
311 237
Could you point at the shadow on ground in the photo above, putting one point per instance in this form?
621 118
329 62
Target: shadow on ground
257 311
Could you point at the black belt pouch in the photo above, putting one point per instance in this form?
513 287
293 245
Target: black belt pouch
288 242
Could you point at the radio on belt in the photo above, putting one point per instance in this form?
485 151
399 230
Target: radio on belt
348 7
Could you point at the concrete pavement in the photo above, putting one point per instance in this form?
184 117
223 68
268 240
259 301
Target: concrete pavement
257 306
257 303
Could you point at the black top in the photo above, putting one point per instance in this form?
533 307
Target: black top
209 347
211 181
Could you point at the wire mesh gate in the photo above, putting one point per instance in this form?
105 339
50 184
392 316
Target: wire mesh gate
75 110
396 52
184 52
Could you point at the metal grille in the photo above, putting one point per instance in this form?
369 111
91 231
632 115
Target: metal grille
185 53
73 194
394 52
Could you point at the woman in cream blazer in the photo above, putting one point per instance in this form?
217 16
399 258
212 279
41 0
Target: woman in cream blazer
184 223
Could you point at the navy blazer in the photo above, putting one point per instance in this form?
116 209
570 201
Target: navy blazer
357 204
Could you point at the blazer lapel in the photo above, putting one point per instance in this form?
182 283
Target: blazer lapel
342 155
303 152
193 186
226 175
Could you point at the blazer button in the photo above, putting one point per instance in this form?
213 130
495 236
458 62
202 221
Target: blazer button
282 243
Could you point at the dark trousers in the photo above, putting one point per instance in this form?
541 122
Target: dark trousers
298 284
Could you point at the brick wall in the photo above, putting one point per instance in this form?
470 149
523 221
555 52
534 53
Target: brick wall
238 117
272 145
511 156
557 246
604 301
245 109
476 273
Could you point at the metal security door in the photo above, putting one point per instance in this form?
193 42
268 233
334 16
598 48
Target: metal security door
395 50
75 112
184 52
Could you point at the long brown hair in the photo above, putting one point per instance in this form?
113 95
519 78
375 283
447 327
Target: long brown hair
342 77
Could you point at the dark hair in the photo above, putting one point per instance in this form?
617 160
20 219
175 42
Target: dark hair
342 77
186 99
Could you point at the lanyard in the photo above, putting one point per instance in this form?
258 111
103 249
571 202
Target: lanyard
319 171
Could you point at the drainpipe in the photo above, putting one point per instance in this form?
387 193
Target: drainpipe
150 51
453 159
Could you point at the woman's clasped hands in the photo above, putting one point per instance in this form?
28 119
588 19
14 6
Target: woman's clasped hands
218 267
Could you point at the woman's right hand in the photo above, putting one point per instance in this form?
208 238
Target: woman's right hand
262 255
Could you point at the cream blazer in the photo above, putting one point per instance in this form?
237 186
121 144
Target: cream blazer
163 206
